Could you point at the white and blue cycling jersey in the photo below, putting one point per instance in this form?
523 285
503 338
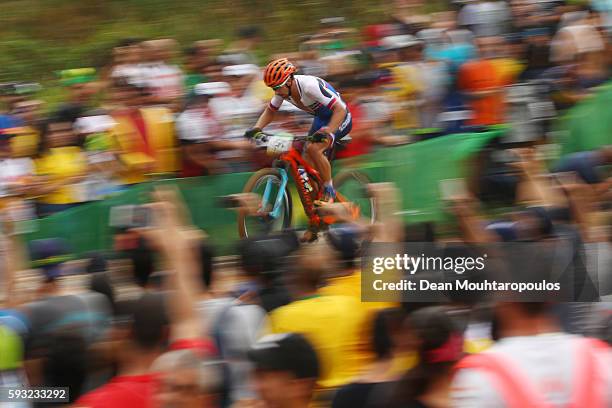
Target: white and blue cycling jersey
316 97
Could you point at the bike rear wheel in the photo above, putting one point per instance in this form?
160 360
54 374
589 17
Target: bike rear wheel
254 225
352 186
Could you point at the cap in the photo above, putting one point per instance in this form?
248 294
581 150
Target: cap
345 240
289 352
94 124
211 88
69 77
396 42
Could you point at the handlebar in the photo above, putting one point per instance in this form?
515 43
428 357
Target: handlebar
263 140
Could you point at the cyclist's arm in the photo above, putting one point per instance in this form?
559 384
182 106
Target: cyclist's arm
266 118
268 114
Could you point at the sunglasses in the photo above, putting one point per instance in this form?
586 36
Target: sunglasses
274 88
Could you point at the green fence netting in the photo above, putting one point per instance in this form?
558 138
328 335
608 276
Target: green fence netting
416 169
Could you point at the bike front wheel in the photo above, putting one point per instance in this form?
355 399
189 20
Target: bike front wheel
275 206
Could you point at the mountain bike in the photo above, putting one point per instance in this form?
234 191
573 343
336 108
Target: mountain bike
272 184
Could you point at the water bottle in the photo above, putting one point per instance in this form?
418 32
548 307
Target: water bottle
304 177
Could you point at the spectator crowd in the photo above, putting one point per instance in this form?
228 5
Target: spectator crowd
161 322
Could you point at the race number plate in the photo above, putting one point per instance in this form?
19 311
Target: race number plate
278 145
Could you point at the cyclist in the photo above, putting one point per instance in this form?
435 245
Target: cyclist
332 118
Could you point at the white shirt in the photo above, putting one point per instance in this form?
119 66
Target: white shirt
11 170
546 362
165 80
196 125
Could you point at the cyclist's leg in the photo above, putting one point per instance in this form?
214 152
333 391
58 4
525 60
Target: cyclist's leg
343 130
314 152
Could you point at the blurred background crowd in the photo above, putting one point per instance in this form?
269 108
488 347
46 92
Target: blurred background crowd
160 320
156 110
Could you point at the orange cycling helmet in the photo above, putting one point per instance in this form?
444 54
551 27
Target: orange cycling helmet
277 72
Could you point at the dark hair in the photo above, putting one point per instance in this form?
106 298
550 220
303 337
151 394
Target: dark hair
194 99
66 363
100 283
150 321
124 83
143 262
127 42
44 129
434 328
191 51
386 322
67 113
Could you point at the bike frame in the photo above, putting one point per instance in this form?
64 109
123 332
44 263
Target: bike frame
293 158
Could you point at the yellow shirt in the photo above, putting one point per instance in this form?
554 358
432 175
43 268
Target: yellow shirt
362 344
331 324
25 142
508 68
61 163
155 152
405 89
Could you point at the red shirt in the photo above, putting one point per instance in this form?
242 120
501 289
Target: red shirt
133 391
482 75
358 145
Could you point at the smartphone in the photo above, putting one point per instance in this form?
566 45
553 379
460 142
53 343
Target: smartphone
452 188
142 216
130 216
